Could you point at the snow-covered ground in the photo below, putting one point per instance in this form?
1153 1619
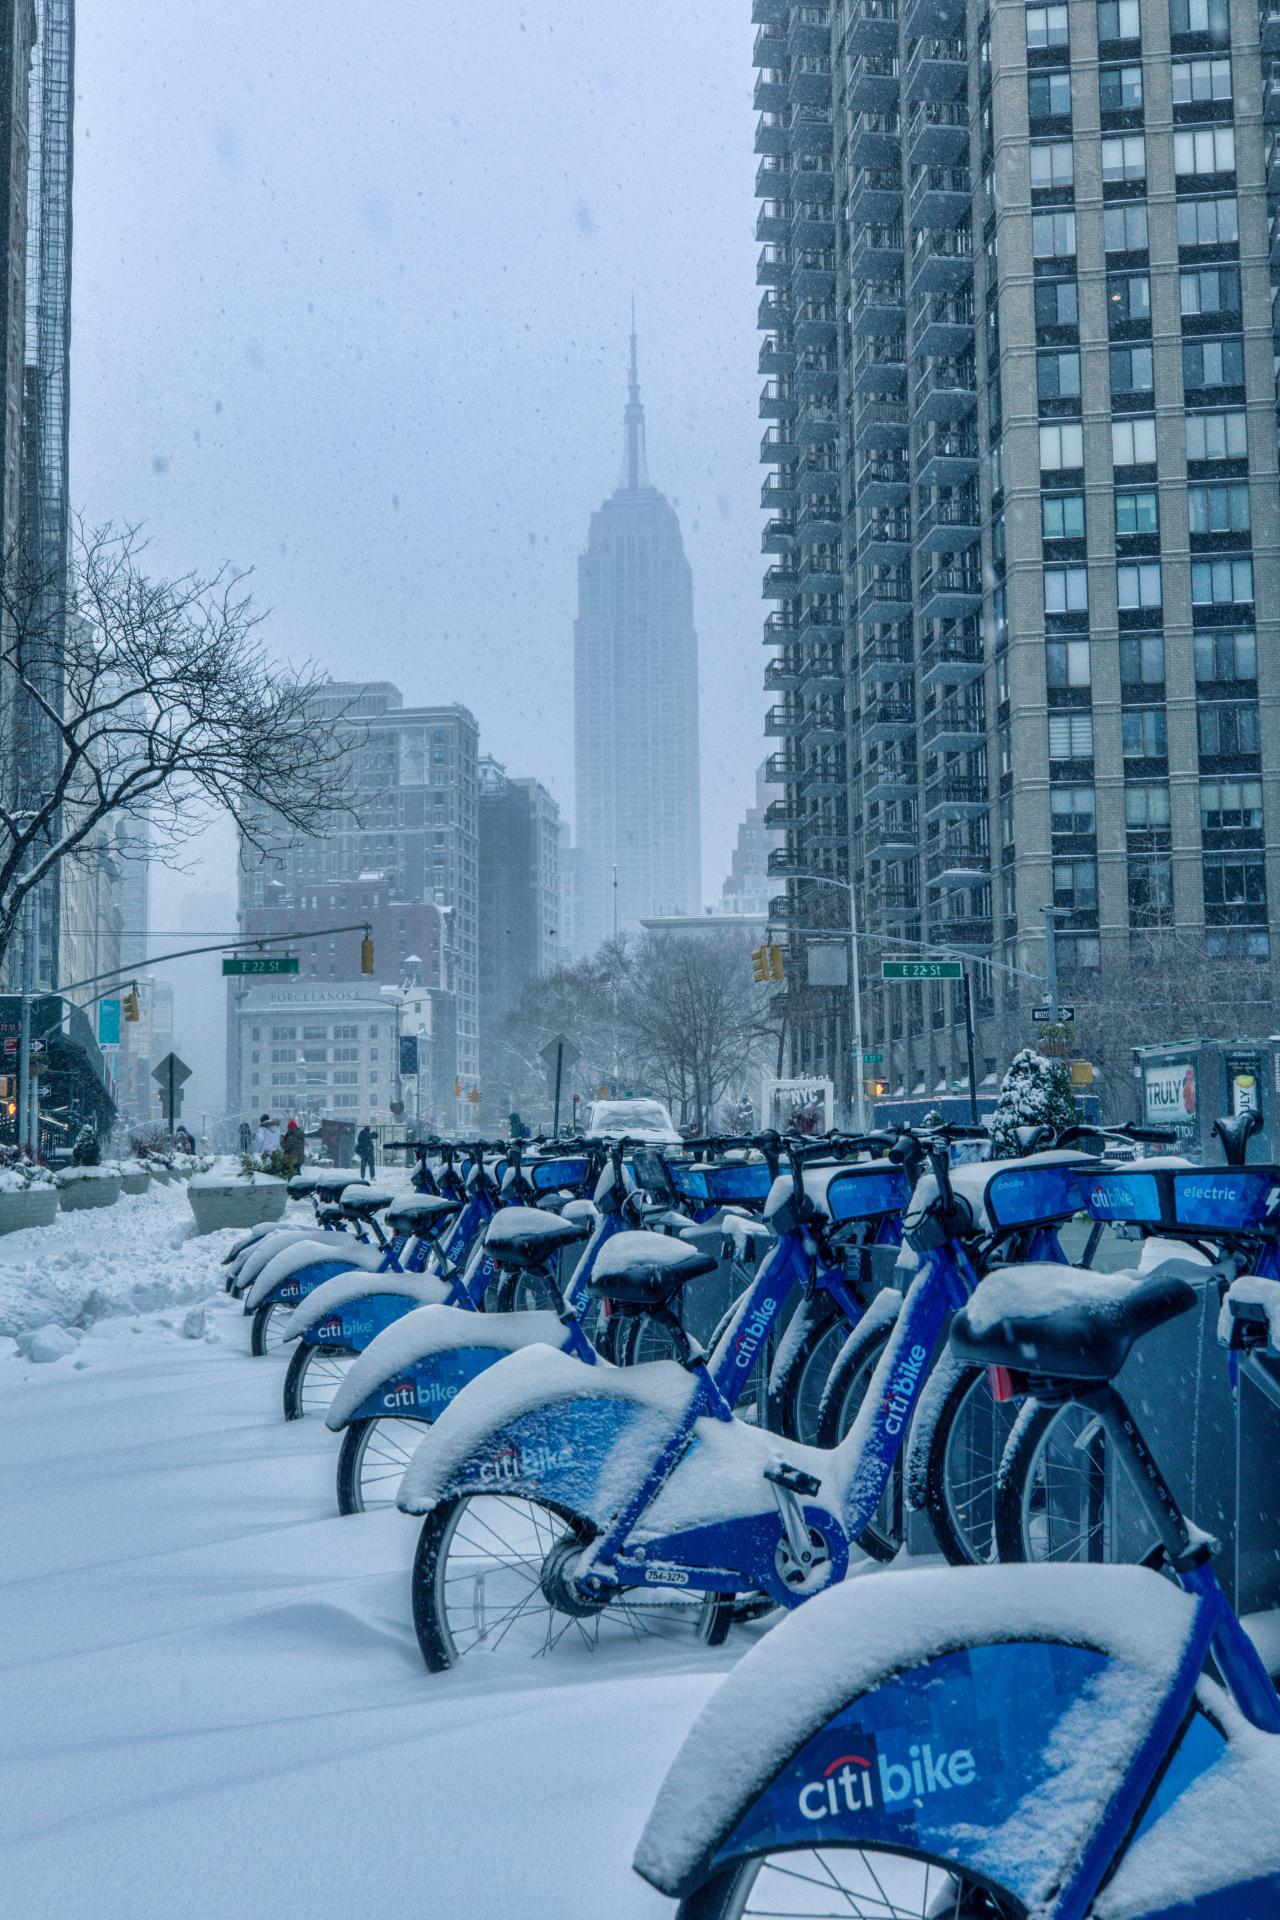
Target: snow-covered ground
211 1701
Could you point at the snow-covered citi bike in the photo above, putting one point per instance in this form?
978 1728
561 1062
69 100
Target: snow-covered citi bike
250 1253
999 1743
564 1501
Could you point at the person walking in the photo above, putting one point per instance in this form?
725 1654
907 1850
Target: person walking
293 1146
268 1140
366 1147
246 1137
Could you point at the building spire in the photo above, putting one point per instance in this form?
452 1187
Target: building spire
635 471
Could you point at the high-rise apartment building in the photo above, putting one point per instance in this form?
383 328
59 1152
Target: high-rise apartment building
635 682
1022 476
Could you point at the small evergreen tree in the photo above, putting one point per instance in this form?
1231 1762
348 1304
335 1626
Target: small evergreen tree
86 1149
1036 1092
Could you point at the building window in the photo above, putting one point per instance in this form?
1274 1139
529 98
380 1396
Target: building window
1070 736
1221 583
1226 656
1204 150
1216 436
1144 733
1052 163
1047 26
1231 806
1235 880
1138 584
1209 290
1057 304
1142 659
1062 516
280 1033
1227 726
1138 512
1124 157
1053 236
1201 16
1048 98
1219 509
1079 952
1204 79
1062 445
1119 89
1066 590
1133 441
1146 807
1128 300
1131 370
1118 20
1067 663
1209 223
1072 810
1058 376
1124 227
1075 885
1213 363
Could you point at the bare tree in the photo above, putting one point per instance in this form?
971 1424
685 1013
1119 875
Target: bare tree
696 1021
126 695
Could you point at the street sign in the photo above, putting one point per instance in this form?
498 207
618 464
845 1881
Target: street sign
171 1064
259 963
1066 1015
109 1023
562 1049
408 1056
870 1059
922 970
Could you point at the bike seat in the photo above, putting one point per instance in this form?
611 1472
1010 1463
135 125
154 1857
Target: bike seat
329 1213
302 1186
530 1236
421 1213
331 1185
361 1203
1064 1322
639 1270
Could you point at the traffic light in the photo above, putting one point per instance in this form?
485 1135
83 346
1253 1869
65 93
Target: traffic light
876 1089
760 964
131 1011
775 963
366 955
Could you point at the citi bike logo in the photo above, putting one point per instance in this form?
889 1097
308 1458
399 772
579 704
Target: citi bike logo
421 1393
748 1341
855 1782
901 1390
1107 1199
522 1463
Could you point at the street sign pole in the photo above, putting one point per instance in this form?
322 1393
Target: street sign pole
968 1041
555 1124
1051 958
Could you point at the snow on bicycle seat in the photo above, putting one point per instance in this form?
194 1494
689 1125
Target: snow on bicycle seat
365 1200
421 1212
1065 1322
302 1185
640 1269
332 1182
528 1236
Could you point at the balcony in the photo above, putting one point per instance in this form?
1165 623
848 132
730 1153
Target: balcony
1271 94
966 930
783 911
779 536
1269 26
948 525
880 366
785 721
773 315
810 131
873 83
825 726
773 177
813 324
778 492
773 221
873 141
933 16
937 135
952 728
781 630
890 840
776 355
957 864
888 780
781 582
940 197
788 863
885 541
818 516
773 134
875 196
947 457
883 482
784 815
887 600
784 769
809 31
875 253
878 307
889 719
816 376
813 225
769 48
777 402
890 900
784 675
941 260
937 69
809 82
817 426
813 275
886 658
773 267
955 796
952 660
945 391
942 326
873 27
778 447
950 593
882 423
820 573
824 670
770 94
823 623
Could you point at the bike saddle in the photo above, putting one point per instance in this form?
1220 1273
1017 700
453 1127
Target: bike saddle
528 1236
329 1213
302 1186
1063 1322
421 1212
639 1271
332 1186
362 1203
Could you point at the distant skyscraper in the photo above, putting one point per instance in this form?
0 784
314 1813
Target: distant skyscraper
636 706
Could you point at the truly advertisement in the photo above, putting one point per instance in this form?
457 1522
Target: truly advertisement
1169 1096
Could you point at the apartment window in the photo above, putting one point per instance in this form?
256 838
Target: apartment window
1143 733
346 1053
1234 880
1071 810
1201 16
1067 663
1070 736
1138 512
1208 79
1133 442
1047 26
1231 806
1079 952
1150 889
283 1056
1048 97
1058 376
1061 445
1204 150
1053 235
1221 583
1213 363
1208 223
1124 157
1146 806
1131 370
1216 436
1141 659
1209 290
280 1033
346 1033
1066 590
1219 509
1052 163
1227 726
1128 299
1057 304
1062 516
1118 20
1075 885
1124 227
315 1033
1119 89
345 1079
1138 585
1226 656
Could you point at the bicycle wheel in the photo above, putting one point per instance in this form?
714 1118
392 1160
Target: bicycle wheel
264 1328
800 1375
883 1535
1052 1488
853 1883
372 1459
965 1451
491 1572
313 1376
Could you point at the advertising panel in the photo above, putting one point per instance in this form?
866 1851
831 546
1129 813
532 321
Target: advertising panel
1169 1096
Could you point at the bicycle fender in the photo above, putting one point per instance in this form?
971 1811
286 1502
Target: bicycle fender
422 1362
304 1267
356 1289
545 1426
1000 1724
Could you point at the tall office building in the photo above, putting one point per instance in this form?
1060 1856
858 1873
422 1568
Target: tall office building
519 918
1022 453
635 687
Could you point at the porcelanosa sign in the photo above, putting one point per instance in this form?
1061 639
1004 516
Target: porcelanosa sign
1169 1096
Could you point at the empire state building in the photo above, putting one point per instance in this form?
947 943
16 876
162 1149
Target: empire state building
635 706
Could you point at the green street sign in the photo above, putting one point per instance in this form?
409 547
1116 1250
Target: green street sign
260 963
871 1059
922 970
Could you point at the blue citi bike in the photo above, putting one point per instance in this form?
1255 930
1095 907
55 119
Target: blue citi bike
1001 1743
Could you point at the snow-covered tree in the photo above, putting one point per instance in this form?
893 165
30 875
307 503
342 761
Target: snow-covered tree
1036 1092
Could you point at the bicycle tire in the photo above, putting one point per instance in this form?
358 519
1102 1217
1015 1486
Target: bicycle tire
1025 1520
306 1360
375 1452
261 1340
793 1412
728 1894
964 1521
883 1536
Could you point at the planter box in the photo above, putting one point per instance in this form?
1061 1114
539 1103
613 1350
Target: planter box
161 1175
86 1187
219 1200
135 1182
27 1207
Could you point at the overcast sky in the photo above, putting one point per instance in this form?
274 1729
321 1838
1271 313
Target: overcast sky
350 307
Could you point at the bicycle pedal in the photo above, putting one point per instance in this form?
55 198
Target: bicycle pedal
792 1478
